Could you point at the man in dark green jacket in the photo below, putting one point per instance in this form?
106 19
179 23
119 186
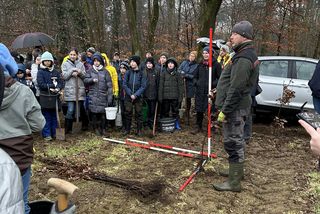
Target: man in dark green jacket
233 100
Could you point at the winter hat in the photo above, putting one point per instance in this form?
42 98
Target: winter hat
91 50
151 60
164 54
98 56
7 62
21 67
243 28
125 64
226 48
173 60
83 57
136 59
207 49
116 54
47 56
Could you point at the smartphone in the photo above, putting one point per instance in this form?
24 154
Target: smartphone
313 119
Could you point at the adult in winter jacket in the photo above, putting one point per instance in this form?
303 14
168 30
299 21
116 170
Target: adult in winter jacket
171 90
201 83
100 93
73 73
233 99
187 69
50 83
134 84
314 85
20 115
151 92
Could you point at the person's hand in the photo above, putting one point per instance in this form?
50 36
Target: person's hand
315 137
95 80
221 117
75 73
133 97
52 89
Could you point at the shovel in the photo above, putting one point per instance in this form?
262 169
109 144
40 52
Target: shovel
60 132
76 127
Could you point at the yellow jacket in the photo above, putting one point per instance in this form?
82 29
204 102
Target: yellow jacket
226 60
113 73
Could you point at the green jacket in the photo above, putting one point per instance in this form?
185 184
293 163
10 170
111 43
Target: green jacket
237 80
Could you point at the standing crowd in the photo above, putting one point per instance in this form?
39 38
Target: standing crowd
89 82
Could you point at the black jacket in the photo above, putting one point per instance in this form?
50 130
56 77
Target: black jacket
314 83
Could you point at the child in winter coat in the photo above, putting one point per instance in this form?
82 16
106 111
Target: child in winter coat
20 77
124 67
50 83
100 93
171 90
134 84
151 92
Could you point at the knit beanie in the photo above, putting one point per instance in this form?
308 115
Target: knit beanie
98 56
125 64
136 59
91 50
151 60
21 68
207 49
47 56
164 54
7 62
243 28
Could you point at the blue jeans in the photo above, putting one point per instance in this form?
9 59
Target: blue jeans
71 109
51 123
26 181
316 104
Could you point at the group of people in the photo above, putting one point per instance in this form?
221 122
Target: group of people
93 82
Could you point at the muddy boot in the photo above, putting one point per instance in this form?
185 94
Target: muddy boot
225 172
139 132
233 183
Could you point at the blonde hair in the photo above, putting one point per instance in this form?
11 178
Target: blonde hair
195 53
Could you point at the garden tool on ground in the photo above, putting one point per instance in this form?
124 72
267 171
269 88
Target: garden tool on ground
77 125
60 132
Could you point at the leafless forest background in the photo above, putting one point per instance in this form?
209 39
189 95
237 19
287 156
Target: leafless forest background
281 27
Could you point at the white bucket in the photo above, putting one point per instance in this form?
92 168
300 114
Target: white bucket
111 113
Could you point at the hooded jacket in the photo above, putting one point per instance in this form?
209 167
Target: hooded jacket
113 73
11 192
20 115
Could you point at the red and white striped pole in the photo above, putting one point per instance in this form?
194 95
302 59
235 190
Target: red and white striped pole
151 148
172 147
209 99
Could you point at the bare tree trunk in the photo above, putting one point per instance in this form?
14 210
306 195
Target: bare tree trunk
316 53
116 16
171 16
209 11
132 21
153 21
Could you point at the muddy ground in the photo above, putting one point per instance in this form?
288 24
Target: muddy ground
278 163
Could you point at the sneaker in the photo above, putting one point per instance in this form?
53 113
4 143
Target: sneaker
49 138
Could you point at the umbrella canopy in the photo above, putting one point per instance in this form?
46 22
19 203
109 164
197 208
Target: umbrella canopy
28 40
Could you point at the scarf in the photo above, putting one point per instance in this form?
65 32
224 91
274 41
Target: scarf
97 68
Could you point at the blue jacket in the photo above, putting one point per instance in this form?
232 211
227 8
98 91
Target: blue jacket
314 83
187 70
134 83
45 79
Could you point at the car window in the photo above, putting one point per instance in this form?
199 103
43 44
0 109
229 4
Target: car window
274 68
305 69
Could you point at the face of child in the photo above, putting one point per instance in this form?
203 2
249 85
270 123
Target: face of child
96 63
38 60
47 63
149 65
20 74
163 59
170 65
123 70
223 52
148 55
205 55
73 56
89 54
133 64
192 57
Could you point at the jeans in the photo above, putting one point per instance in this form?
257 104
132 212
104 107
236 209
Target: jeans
316 104
71 109
26 182
51 123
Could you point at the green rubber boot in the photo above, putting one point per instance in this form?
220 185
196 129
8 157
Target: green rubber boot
224 172
233 183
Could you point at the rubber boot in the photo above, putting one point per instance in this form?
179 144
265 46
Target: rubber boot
224 172
177 125
139 127
233 183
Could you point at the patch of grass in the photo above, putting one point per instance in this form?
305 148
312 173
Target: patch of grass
314 189
82 146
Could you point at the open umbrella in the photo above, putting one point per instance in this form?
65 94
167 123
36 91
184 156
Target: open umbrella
28 40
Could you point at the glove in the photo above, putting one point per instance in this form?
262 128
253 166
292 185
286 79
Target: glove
221 117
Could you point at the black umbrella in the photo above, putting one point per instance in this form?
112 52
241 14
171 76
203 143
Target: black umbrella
28 40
